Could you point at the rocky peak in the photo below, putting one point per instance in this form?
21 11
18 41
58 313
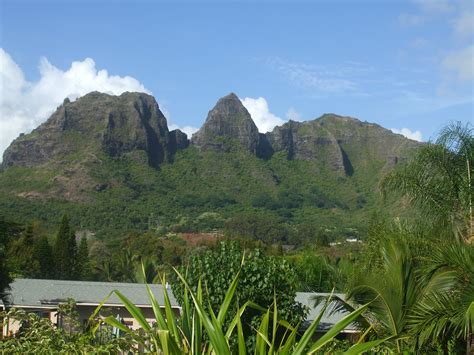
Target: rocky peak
307 141
339 142
98 123
178 140
229 119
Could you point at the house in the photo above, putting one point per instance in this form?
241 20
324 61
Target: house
44 297
329 318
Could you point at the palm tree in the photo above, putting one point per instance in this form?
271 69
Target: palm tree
417 306
439 180
391 293
446 309
146 270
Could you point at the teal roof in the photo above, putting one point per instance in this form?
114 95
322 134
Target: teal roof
330 317
33 292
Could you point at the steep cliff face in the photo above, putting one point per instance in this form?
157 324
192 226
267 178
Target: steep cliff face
95 123
229 119
336 142
178 140
341 143
307 141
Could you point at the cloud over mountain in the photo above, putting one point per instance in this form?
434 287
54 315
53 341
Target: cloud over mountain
24 104
261 115
414 135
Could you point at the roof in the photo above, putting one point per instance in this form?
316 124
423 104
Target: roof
330 317
43 293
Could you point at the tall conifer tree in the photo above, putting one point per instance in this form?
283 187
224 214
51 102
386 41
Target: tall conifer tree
65 251
43 253
83 269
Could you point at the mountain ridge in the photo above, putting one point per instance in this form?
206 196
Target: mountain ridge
261 144
113 158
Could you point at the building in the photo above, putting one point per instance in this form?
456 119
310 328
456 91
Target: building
329 318
44 297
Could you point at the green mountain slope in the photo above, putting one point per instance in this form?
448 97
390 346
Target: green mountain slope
113 165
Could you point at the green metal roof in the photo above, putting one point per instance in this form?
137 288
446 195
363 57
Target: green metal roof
330 317
42 293
49 293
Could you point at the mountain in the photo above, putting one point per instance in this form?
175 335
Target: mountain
116 125
228 119
113 165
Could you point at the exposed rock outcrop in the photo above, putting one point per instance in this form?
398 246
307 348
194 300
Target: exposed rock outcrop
341 143
307 141
95 123
229 119
132 124
178 140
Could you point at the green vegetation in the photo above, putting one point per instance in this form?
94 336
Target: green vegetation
131 196
29 254
439 181
200 329
278 228
40 336
262 279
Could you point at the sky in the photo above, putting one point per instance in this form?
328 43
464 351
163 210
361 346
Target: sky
406 65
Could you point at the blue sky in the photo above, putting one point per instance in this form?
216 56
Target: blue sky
401 64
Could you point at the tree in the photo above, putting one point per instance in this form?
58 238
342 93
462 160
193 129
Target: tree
20 254
65 251
5 278
317 273
43 254
418 305
439 180
7 231
83 266
199 330
446 310
261 280
392 292
258 226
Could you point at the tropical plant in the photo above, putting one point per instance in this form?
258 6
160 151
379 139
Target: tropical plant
420 305
391 292
318 273
200 330
446 309
39 336
262 279
439 180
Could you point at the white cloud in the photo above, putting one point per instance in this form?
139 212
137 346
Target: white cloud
319 78
414 135
461 62
293 115
24 105
261 115
189 130
464 25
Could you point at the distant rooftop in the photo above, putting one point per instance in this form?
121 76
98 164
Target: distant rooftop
330 317
35 293
43 293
